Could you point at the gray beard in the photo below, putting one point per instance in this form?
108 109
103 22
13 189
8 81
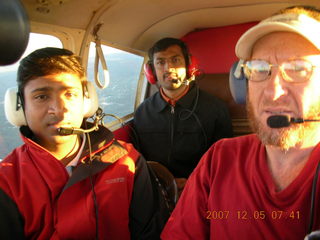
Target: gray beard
284 138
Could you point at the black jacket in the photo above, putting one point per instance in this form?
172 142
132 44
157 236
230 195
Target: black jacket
178 136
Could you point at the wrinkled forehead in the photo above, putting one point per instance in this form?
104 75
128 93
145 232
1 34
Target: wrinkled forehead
283 43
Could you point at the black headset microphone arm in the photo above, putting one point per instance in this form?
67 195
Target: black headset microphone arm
301 120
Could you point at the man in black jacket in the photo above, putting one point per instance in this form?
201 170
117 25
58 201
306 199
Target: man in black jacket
177 124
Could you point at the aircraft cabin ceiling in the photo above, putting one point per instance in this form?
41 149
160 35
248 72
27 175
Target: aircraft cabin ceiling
138 24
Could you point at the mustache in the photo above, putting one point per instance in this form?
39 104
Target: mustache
271 103
174 77
170 74
52 120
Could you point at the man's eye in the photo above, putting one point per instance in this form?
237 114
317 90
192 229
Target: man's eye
41 97
261 70
71 94
176 60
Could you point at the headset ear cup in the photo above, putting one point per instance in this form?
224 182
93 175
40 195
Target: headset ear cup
148 72
13 109
238 83
90 102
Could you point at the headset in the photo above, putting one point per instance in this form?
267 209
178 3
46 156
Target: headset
193 70
14 110
238 83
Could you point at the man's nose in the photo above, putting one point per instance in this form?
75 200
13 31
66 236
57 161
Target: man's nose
169 66
276 85
57 106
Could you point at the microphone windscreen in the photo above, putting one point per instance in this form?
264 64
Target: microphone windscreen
278 121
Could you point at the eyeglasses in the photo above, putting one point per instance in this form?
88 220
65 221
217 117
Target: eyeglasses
295 71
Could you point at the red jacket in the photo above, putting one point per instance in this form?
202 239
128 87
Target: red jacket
56 206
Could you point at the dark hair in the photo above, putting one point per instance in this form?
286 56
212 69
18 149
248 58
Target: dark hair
47 61
164 43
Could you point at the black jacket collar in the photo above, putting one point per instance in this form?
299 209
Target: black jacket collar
159 104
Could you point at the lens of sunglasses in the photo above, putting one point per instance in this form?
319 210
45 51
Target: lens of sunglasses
256 70
292 71
296 70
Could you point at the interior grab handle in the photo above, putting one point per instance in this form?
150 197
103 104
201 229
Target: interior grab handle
100 58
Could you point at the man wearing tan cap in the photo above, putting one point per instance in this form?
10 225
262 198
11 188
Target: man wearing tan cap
264 185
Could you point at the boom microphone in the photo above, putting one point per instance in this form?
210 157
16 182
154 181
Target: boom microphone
280 121
69 131
185 82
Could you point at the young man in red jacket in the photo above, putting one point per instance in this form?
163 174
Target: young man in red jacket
62 185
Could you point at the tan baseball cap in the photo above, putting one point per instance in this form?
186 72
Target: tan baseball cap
290 22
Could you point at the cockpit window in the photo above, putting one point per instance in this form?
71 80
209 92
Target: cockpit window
124 69
9 135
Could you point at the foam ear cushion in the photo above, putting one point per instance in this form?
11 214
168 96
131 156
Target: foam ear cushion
238 83
16 117
152 79
91 102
